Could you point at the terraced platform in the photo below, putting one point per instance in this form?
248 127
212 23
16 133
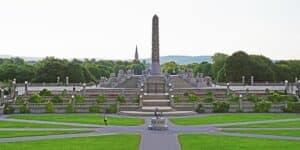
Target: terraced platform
170 113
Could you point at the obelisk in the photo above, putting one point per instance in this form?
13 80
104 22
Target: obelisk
155 66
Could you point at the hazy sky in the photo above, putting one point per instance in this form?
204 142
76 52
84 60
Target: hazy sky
110 29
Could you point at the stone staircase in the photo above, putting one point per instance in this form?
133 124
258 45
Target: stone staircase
155 99
129 83
152 101
177 82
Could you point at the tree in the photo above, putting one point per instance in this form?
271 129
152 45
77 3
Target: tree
48 69
238 65
170 67
218 66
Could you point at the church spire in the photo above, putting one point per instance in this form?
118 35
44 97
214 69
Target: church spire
136 56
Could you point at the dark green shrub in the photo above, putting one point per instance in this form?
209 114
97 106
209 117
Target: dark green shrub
63 93
45 92
193 98
70 108
200 108
281 97
233 97
101 99
220 107
8 109
94 109
20 100
137 99
24 109
49 108
290 98
79 99
262 106
209 97
56 99
293 107
176 99
112 109
185 94
252 98
121 99
35 99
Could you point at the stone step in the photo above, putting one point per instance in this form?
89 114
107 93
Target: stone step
149 96
171 113
161 102
159 108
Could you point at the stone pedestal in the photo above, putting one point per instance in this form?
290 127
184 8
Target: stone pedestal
1 109
158 124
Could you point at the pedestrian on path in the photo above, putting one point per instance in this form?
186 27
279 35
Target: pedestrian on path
105 120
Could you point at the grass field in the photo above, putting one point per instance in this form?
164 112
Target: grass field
290 124
82 118
269 132
106 142
230 118
219 142
6 134
12 124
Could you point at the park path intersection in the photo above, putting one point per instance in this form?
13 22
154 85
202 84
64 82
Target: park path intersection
158 140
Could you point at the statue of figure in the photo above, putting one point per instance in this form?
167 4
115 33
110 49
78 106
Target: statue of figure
155 113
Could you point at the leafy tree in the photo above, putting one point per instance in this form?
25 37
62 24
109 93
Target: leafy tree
170 67
218 66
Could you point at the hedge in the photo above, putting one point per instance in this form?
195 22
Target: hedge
262 106
220 107
293 107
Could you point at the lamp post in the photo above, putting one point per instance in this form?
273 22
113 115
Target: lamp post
228 90
73 101
241 102
26 87
286 82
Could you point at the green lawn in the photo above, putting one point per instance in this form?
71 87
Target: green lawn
230 118
6 134
269 132
82 118
220 142
106 142
12 124
290 124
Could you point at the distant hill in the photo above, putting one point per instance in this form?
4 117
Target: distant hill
178 59
183 59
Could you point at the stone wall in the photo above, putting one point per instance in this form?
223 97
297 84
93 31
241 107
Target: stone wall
91 95
61 108
208 107
182 93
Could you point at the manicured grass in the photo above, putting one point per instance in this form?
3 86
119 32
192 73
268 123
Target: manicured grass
230 118
6 134
82 118
290 124
106 142
12 124
220 142
269 132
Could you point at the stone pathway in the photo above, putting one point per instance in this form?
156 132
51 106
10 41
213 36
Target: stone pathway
158 140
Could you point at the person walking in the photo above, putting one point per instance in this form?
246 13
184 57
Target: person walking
105 120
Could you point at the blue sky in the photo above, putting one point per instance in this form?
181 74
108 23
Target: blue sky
111 29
